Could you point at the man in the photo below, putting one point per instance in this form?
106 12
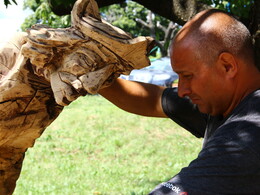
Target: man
218 98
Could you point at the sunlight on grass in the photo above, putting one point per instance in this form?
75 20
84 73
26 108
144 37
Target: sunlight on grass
95 148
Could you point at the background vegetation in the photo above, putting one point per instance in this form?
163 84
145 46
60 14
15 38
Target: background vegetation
95 148
129 16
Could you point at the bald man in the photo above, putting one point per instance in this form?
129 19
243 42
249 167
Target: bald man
218 98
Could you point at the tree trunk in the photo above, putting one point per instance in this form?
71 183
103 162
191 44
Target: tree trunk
255 31
45 69
178 11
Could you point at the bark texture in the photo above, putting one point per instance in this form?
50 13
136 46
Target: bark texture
45 69
178 11
255 31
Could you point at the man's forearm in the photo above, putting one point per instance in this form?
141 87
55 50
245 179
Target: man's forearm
135 97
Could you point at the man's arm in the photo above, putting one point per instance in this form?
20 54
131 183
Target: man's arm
135 97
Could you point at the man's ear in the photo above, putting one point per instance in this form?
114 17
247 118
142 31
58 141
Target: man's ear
228 64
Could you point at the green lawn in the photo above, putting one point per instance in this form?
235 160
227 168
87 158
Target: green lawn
95 148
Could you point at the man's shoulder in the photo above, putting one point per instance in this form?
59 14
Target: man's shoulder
255 94
250 105
247 112
243 125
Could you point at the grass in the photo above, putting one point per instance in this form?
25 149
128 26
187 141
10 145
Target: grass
94 148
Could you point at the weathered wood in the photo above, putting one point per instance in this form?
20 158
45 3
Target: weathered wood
45 69
178 11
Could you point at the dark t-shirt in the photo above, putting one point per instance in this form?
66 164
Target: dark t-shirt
229 162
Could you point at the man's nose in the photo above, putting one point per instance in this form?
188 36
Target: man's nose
183 89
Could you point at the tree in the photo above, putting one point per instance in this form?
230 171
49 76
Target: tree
180 11
42 14
138 20
46 69
8 2
129 16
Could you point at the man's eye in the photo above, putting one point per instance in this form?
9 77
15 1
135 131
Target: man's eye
187 76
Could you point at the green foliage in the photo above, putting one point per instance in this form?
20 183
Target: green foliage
125 17
43 15
240 8
116 16
94 148
138 21
8 2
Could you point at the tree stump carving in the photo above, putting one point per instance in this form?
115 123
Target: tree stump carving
45 69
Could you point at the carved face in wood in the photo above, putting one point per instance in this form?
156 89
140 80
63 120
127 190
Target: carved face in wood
45 69
86 57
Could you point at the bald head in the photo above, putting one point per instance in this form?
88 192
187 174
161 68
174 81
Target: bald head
212 32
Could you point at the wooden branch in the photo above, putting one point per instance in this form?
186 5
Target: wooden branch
143 23
158 25
45 69
169 31
255 31
165 8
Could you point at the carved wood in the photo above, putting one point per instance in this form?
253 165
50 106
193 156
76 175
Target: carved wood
45 69
178 11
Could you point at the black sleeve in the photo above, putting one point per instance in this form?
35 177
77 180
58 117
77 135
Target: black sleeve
227 165
183 112
217 171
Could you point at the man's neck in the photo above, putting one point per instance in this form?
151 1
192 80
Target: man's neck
248 83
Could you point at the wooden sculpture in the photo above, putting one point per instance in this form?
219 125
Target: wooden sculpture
45 69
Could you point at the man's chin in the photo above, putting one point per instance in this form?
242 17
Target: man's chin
204 110
209 112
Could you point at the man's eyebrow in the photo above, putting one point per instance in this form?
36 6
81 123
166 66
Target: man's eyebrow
181 71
